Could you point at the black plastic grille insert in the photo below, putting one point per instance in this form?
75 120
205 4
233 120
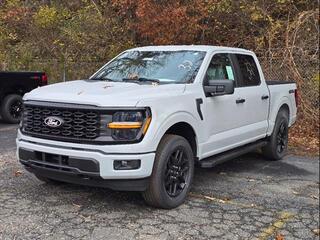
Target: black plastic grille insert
80 124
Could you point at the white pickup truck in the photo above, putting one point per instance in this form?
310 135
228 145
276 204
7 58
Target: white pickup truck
147 117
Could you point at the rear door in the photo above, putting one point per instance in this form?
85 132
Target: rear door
253 94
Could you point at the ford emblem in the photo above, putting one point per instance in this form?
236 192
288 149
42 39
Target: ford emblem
53 121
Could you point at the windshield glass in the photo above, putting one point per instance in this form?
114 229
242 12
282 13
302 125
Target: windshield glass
159 66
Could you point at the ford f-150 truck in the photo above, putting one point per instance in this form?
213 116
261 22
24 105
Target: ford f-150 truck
147 117
13 85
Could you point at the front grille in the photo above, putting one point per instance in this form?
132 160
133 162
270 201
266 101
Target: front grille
77 124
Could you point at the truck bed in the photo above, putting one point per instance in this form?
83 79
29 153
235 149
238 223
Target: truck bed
20 82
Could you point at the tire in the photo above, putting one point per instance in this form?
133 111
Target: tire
11 108
172 173
48 180
277 145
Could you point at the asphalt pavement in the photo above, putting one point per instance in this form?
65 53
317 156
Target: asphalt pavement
246 198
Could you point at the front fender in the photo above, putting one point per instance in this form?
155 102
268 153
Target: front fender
171 120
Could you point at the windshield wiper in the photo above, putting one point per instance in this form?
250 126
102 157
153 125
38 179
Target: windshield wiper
138 80
104 79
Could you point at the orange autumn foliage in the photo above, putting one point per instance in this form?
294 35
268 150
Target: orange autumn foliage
173 15
165 23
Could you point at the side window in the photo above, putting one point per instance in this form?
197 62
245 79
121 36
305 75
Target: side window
249 70
220 68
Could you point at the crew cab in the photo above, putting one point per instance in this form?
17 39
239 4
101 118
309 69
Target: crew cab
13 85
147 117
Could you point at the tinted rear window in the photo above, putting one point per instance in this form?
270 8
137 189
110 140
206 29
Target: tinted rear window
249 70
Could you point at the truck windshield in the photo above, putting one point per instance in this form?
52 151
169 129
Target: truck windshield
153 66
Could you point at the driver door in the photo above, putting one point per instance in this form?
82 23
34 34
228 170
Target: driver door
224 115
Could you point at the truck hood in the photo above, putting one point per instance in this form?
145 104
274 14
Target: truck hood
101 93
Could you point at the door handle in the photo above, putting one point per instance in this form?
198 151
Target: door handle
240 100
264 97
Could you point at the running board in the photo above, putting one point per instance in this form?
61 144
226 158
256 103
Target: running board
231 154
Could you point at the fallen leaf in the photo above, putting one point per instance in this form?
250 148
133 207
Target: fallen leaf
222 173
209 198
76 205
214 199
295 193
86 219
316 231
107 86
279 236
17 173
251 180
314 196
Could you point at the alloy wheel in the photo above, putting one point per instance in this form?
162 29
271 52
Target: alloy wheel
282 137
177 172
16 109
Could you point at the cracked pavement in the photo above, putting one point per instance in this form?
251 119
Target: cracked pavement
246 198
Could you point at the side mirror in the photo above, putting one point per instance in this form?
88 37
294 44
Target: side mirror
218 87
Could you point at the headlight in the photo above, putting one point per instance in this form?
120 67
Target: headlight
128 125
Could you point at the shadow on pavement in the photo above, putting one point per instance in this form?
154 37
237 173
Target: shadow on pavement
255 163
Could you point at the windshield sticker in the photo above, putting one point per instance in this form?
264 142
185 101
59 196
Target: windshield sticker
230 72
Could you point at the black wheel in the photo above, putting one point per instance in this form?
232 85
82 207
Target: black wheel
11 108
48 180
172 173
278 142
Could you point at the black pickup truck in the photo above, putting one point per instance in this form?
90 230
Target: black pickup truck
13 85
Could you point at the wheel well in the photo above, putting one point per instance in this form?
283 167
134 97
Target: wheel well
2 96
19 90
185 130
285 107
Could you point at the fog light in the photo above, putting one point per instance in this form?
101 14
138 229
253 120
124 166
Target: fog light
126 164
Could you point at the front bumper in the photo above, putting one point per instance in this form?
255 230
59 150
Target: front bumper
85 166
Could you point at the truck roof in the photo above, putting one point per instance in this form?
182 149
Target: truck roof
206 48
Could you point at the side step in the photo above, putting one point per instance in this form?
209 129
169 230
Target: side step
231 154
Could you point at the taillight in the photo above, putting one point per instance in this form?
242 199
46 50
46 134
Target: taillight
296 97
44 79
